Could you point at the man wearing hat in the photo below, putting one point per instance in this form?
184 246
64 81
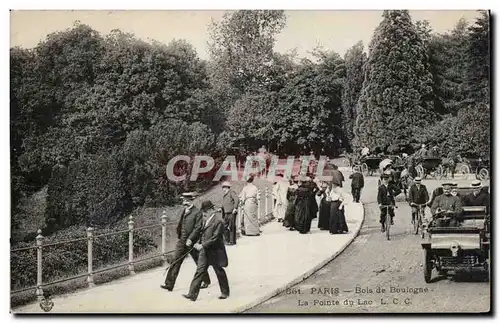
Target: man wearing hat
447 203
417 195
188 232
212 253
230 203
478 197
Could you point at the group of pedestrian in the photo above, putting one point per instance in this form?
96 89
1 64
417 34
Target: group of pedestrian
306 198
204 232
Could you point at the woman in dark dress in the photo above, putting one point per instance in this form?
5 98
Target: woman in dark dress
338 223
313 205
289 220
324 208
303 214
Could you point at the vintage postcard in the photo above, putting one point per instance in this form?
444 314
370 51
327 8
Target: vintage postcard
250 161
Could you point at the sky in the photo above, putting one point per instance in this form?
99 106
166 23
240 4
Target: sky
335 30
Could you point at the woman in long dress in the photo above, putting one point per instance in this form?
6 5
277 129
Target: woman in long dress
324 207
289 221
338 223
248 200
280 194
303 211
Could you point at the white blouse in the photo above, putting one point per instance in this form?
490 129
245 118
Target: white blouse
336 194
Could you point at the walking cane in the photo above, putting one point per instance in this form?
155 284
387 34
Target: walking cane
184 255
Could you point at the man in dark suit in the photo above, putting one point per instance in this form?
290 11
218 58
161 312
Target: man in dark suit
417 195
229 210
188 232
478 197
385 197
357 185
338 177
212 253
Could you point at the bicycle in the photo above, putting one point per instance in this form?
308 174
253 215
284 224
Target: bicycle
418 221
387 222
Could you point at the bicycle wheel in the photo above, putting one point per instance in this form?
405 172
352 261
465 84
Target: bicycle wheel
420 171
388 226
438 173
483 174
416 222
364 169
421 224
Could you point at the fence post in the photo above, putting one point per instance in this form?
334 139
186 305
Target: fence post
131 246
259 213
164 237
266 202
90 239
39 243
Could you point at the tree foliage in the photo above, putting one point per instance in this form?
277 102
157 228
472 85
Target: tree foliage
355 59
396 98
96 118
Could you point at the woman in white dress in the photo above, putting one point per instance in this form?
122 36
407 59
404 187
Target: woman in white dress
249 202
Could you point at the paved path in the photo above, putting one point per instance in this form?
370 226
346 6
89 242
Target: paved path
259 268
371 262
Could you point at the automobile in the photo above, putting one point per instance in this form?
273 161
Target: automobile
462 248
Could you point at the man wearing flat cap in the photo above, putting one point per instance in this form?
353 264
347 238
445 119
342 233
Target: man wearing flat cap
478 197
417 195
447 203
188 232
212 253
230 203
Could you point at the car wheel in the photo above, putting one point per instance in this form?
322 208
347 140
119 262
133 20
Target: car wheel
427 266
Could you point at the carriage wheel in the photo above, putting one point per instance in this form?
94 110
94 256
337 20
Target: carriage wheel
420 171
427 266
464 170
483 174
438 173
364 169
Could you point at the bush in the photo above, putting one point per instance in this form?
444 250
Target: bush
65 260
91 191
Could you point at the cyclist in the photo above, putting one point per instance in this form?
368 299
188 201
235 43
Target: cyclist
386 196
417 195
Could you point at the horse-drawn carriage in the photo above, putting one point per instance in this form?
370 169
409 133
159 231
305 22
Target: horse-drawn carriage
368 165
430 166
478 166
465 247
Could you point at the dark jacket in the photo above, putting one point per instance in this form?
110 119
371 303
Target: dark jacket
418 196
481 199
357 180
438 191
229 201
190 224
385 195
213 242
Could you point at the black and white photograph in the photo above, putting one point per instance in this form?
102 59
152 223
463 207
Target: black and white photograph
250 161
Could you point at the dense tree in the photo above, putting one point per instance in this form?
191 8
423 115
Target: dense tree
478 69
396 98
355 59
241 46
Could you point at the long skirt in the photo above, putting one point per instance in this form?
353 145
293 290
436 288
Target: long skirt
338 223
289 221
303 216
280 210
249 218
324 215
